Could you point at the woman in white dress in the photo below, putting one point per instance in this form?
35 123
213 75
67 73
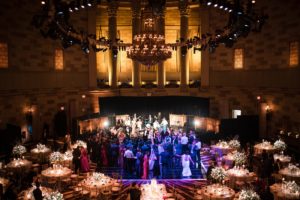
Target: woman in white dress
185 160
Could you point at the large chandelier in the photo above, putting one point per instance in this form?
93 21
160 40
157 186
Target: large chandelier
148 47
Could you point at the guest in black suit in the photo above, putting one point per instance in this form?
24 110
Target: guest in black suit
76 159
37 192
134 192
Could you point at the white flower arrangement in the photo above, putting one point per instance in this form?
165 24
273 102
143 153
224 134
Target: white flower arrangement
239 158
97 176
291 187
218 174
56 157
80 143
293 168
223 144
248 194
235 144
68 155
41 147
280 145
54 196
19 150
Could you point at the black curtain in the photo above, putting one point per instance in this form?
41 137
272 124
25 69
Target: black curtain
60 124
152 105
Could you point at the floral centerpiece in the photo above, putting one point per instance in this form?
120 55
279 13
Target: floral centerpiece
68 155
290 187
19 150
293 168
56 157
280 145
41 147
248 194
222 144
218 174
239 158
54 196
235 144
79 143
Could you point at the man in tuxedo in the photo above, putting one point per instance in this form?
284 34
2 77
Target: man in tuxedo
76 159
37 192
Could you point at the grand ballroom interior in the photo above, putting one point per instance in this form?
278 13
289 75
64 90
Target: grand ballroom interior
149 99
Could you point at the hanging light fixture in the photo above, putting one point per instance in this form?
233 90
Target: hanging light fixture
149 47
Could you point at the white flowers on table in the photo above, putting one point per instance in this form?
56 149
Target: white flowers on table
222 144
235 144
54 196
293 169
239 158
248 194
56 157
290 187
280 145
41 147
80 143
68 155
19 150
218 174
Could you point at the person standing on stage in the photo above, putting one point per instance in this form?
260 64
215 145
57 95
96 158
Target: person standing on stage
146 165
198 152
184 142
185 160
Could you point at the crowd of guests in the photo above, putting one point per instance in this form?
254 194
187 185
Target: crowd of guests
145 156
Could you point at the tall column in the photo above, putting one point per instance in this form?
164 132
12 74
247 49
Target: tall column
184 28
112 33
204 54
92 54
161 72
136 28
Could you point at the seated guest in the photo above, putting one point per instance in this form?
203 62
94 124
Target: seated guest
37 192
209 169
134 192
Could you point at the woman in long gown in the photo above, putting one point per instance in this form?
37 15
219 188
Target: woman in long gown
84 160
185 160
145 166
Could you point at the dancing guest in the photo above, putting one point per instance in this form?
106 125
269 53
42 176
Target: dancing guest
198 152
84 160
152 160
138 162
76 159
184 142
128 155
145 166
163 163
186 159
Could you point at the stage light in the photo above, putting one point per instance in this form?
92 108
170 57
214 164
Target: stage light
258 98
43 2
83 96
70 9
197 123
209 2
89 3
106 123
267 108
253 1
62 108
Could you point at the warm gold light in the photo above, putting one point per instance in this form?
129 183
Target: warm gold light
238 58
294 53
3 55
59 59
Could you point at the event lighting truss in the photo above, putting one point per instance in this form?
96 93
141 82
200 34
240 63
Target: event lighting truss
53 22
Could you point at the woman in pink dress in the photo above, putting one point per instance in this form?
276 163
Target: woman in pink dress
84 160
145 166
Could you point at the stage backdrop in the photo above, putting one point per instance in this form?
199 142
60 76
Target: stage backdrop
152 105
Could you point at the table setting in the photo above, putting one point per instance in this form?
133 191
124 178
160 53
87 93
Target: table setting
154 191
285 190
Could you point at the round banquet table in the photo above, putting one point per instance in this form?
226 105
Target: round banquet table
96 186
19 166
280 194
41 155
239 174
282 158
5 182
28 195
259 148
57 173
217 192
290 175
222 150
154 192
